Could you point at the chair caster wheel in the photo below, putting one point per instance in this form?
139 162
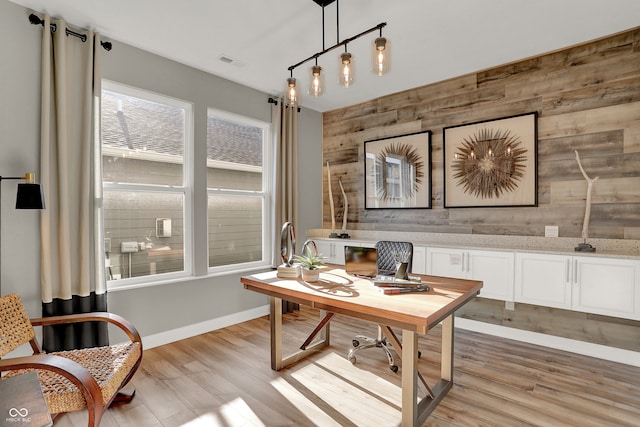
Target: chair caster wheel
394 368
352 359
355 343
419 354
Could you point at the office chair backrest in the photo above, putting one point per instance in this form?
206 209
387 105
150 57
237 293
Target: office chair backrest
387 251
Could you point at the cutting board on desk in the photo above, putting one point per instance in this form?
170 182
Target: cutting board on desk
22 402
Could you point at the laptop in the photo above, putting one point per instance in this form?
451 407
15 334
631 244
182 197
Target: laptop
360 261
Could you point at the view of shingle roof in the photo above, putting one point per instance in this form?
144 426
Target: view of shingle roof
137 124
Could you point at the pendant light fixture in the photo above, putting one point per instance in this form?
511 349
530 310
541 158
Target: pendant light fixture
345 68
346 71
316 81
381 55
291 92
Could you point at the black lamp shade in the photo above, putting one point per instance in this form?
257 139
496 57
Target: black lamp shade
29 197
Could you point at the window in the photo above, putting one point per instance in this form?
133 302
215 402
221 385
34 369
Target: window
146 143
239 190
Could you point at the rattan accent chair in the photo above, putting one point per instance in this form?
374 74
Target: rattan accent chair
386 254
90 378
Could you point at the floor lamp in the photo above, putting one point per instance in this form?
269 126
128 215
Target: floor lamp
29 197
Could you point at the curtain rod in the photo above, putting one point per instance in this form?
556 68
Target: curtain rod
272 100
36 20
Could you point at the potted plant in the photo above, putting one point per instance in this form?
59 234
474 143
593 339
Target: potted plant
309 263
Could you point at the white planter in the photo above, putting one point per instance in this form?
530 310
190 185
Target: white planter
310 275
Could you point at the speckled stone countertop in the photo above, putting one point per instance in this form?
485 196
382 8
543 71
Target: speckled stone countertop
616 248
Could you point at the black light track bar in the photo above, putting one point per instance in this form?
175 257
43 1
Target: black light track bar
342 43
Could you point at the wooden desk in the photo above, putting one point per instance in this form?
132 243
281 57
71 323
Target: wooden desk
22 403
414 313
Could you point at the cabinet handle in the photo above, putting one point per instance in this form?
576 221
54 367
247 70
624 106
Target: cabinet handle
567 278
575 271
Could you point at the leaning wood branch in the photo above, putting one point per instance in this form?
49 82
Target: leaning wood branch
333 213
587 211
346 207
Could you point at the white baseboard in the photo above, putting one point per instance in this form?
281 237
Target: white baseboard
599 351
189 331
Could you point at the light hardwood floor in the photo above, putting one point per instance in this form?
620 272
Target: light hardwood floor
223 378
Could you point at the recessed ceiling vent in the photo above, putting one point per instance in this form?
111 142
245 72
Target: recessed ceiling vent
228 59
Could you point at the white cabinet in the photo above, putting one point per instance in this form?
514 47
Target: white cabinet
333 249
543 279
493 268
591 284
419 262
606 286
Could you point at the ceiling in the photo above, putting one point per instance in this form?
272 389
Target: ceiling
432 40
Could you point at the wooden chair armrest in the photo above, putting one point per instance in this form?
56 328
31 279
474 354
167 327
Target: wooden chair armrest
115 319
69 369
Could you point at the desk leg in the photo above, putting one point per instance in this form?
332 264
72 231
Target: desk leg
415 412
275 320
409 378
446 364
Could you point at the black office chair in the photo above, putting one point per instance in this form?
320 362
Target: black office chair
387 254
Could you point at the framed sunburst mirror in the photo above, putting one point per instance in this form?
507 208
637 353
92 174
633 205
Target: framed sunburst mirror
491 163
398 172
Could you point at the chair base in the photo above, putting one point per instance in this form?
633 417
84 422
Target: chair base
361 342
123 396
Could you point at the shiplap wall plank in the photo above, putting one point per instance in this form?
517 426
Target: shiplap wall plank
588 99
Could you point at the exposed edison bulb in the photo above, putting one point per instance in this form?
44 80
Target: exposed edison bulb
290 92
345 69
381 56
316 82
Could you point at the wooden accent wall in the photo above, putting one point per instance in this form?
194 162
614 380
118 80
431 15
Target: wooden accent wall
587 98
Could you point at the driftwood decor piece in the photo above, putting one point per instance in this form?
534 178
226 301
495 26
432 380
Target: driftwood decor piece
491 163
334 234
584 246
331 206
346 207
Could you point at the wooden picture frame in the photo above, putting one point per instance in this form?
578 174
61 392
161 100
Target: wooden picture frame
491 163
397 172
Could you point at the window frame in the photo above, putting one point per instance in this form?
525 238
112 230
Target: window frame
266 193
186 190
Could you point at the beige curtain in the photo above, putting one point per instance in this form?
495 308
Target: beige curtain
285 133
70 279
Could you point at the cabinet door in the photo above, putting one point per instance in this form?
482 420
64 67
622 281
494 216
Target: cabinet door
446 262
419 263
326 248
333 250
543 279
606 286
495 269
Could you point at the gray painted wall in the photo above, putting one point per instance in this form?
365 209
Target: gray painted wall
152 309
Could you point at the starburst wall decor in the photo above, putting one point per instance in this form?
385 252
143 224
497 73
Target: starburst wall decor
398 172
491 163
